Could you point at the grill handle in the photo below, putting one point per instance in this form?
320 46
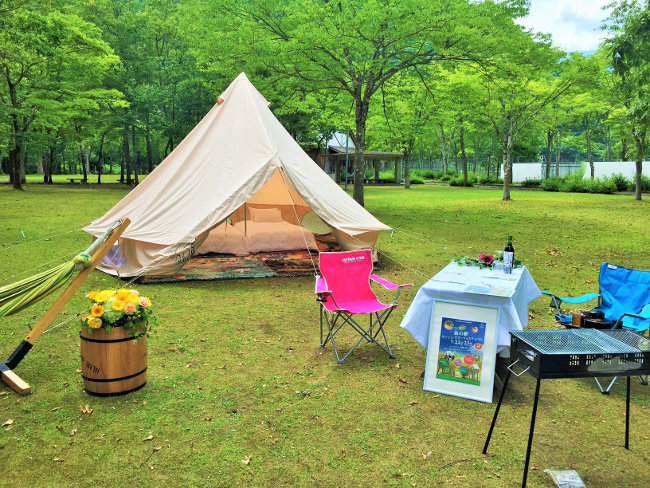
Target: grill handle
512 371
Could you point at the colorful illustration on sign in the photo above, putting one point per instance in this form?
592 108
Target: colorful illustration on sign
460 356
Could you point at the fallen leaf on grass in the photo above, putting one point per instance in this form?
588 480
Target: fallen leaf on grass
4 393
344 452
86 409
402 380
427 455
56 408
208 418
157 448
72 432
221 367
414 402
148 438
7 423
247 460
553 252
398 365
402 475
534 467
58 460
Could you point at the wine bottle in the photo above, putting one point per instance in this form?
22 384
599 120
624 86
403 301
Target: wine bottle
509 253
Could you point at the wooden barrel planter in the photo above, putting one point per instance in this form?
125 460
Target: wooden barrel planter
112 364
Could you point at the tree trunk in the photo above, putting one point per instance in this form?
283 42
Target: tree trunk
547 166
83 163
462 151
361 115
507 165
623 149
639 141
375 167
126 156
100 157
609 144
589 155
149 154
558 152
14 158
136 156
23 163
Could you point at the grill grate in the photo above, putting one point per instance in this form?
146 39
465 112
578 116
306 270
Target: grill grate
587 341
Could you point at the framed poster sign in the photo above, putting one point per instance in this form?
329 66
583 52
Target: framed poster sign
462 350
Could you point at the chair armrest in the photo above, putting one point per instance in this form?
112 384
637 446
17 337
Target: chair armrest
321 288
639 327
573 300
387 284
556 302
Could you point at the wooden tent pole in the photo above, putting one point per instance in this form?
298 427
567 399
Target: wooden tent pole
6 367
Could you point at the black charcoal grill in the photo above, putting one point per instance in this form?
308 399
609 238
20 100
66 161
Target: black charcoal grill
575 353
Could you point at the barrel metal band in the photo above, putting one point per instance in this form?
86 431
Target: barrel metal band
109 380
109 341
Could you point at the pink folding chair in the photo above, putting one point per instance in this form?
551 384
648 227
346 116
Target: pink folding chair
343 290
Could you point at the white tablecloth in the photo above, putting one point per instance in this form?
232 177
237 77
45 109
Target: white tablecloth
450 284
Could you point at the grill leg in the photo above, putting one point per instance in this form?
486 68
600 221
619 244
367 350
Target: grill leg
530 434
627 415
496 412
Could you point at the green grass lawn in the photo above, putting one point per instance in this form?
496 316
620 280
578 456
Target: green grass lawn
239 392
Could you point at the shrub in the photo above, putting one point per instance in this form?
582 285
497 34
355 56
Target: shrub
386 176
621 182
416 179
438 174
599 185
445 178
645 184
531 183
573 183
426 174
460 179
552 184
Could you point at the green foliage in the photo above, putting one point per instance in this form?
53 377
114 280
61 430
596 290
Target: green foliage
416 179
459 180
531 183
552 184
645 184
575 183
425 174
621 182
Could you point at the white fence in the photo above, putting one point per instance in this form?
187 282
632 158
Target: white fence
536 170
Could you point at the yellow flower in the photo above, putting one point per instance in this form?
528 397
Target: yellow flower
97 310
91 295
94 322
134 299
102 296
118 305
122 295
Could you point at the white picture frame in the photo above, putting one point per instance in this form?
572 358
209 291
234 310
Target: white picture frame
461 353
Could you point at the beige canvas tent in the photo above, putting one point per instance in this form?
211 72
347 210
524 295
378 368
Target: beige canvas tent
238 166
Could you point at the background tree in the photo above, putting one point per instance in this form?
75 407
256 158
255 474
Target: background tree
48 59
630 49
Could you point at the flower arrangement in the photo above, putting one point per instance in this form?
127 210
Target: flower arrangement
483 261
124 308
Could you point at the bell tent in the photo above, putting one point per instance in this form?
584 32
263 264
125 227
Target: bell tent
238 183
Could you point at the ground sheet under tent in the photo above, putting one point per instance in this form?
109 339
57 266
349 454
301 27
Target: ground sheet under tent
259 265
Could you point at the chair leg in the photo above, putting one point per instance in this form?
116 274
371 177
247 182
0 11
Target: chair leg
370 335
605 391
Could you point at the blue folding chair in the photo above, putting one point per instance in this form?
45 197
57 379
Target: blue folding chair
623 299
